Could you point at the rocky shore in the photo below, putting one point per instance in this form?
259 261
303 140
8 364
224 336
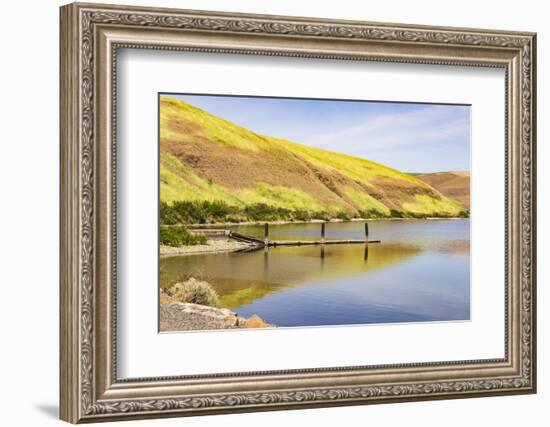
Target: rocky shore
177 316
192 305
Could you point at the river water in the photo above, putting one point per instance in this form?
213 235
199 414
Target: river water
420 272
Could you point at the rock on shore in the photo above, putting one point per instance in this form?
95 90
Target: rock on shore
178 316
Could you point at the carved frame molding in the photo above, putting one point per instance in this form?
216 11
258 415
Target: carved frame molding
90 37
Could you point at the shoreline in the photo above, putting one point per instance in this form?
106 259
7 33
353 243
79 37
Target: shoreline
227 245
313 221
211 247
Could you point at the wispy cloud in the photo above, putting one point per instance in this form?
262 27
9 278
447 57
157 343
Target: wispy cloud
390 131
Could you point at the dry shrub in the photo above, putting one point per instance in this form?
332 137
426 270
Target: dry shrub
194 291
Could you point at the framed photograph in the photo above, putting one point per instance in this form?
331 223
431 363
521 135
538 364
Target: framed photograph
266 212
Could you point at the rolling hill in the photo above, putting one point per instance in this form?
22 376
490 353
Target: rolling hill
206 158
455 185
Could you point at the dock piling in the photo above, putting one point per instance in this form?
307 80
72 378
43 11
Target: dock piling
322 233
366 232
266 234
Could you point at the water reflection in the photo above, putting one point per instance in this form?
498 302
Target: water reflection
419 272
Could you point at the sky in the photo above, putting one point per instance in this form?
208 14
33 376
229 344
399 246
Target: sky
409 137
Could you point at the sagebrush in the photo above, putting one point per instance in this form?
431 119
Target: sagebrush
194 291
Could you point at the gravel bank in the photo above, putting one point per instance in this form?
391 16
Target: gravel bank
211 246
188 316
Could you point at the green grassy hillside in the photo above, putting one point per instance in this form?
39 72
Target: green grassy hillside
206 161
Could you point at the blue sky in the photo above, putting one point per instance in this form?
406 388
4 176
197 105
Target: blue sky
408 137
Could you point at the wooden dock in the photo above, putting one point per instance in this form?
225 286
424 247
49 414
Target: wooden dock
267 243
318 242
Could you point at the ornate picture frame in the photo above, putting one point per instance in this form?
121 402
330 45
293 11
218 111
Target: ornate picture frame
90 37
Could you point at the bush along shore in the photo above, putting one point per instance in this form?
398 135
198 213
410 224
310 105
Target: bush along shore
193 305
207 212
180 236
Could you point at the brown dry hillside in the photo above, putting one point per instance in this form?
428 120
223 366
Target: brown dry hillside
455 185
204 157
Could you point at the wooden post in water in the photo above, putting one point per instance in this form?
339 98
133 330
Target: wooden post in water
322 233
366 232
266 234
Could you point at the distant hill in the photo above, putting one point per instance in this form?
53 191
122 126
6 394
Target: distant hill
206 158
455 185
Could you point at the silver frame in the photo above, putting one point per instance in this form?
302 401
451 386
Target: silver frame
90 37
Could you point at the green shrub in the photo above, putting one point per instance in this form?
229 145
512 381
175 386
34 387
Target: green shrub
343 215
168 216
196 212
179 236
322 215
396 214
300 215
264 212
194 291
372 213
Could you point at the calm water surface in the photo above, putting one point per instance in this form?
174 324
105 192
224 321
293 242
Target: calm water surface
420 272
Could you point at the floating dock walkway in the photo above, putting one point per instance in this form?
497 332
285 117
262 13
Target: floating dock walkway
266 242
